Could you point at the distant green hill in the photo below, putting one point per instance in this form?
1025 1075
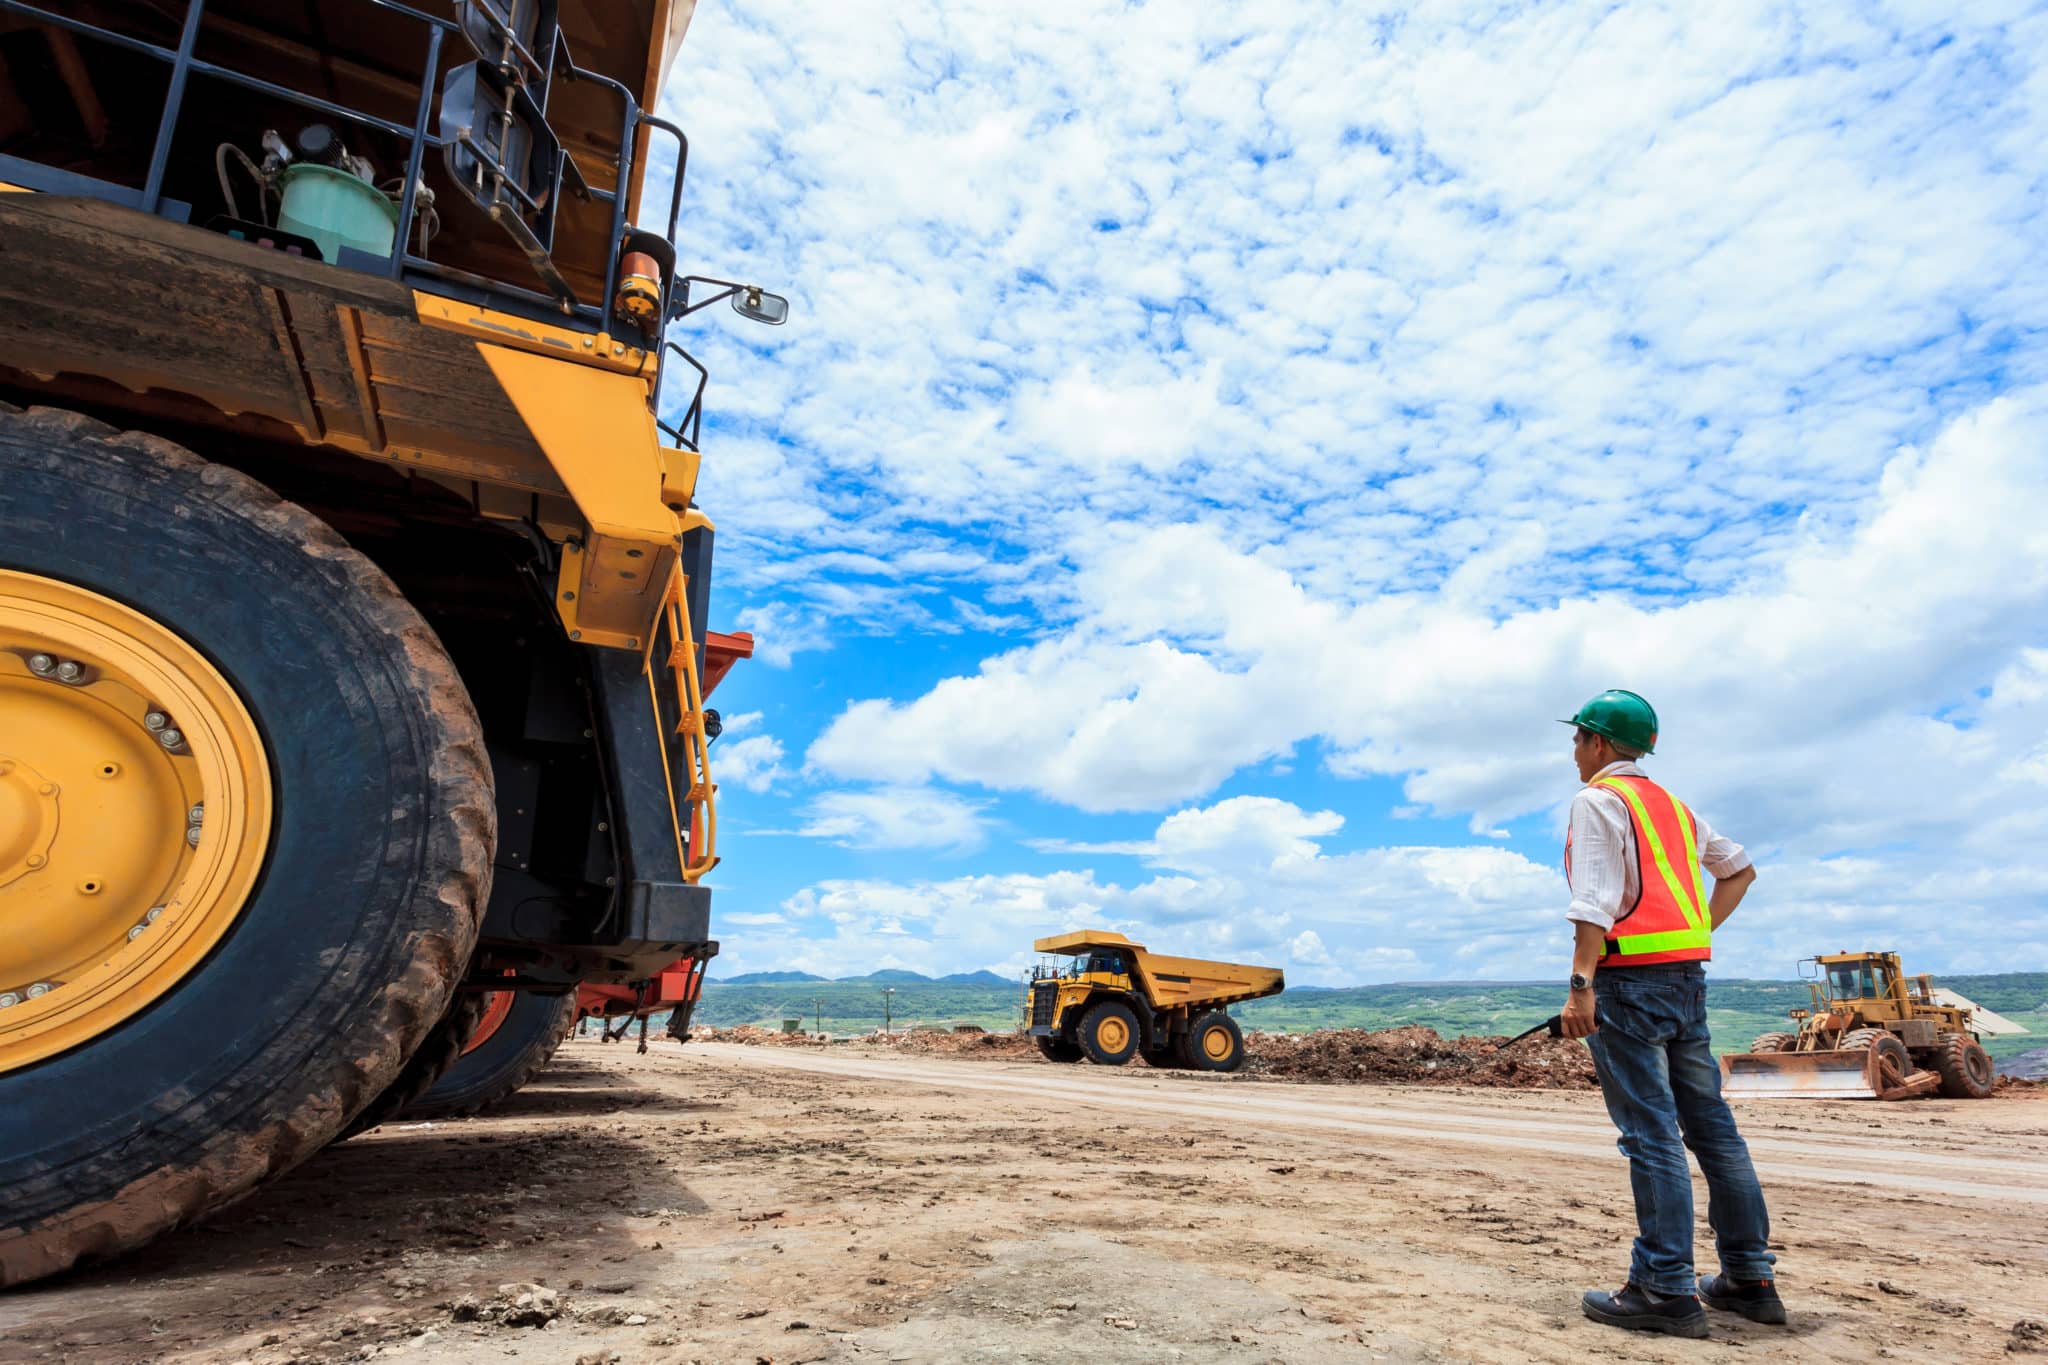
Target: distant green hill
1737 1010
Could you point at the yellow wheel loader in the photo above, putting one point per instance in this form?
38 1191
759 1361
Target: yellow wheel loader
1870 1032
1114 1001
353 585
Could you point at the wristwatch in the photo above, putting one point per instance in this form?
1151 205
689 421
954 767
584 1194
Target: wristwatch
1581 982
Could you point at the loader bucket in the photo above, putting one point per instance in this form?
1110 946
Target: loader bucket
1803 1075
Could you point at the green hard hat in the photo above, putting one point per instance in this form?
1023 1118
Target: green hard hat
1621 716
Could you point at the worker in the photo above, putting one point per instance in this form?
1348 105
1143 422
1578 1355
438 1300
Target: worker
1643 923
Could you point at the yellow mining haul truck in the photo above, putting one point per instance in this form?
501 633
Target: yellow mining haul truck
352 587
1870 1033
1115 1000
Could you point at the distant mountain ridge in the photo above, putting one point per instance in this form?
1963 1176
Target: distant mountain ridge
887 976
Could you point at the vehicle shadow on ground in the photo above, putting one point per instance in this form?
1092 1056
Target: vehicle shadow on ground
353 1210
557 1101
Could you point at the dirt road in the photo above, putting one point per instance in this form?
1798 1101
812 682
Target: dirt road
717 1203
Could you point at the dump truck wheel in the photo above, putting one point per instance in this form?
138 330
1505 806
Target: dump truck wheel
431 1060
288 826
1773 1042
1109 1033
1966 1069
502 1061
1214 1043
1060 1050
1165 1058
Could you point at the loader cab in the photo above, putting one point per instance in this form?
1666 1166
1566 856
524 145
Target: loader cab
1862 979
1860 976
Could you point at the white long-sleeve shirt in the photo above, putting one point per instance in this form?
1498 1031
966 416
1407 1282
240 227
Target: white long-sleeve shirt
1603 862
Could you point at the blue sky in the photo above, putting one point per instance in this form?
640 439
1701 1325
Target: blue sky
1212 444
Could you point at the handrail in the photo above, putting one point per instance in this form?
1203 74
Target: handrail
699 797
690 429
419 138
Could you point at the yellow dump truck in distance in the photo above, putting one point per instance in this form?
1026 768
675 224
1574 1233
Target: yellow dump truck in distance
1116 1000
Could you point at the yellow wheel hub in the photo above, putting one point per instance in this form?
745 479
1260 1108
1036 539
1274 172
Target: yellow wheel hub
135 805
1216 1044
1112 1034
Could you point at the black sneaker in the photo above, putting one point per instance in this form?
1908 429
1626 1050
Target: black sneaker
1641 1310
1757 1301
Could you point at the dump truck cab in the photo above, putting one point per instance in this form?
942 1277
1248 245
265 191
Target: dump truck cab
1112 999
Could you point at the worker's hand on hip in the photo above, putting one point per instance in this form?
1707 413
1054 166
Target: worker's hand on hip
1576 1018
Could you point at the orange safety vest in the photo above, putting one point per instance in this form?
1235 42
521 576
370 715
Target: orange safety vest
1669 921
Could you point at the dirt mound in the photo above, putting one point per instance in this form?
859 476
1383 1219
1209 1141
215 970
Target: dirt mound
976 1044
1415 1054
755 1036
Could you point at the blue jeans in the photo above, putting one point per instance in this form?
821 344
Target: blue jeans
1663 1090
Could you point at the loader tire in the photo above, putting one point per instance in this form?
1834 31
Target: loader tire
1214 1042
1894 1063
1060 1050
429 1062
1966 1069
502 1061
1773 1042
348 931
1109 1033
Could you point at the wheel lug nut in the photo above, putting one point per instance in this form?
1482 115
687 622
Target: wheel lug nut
154 911
155 720
40 663
197 815
40 989
9 999
136 932
171 737
192 835
69 671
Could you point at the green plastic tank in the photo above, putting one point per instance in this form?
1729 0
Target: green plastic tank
336 209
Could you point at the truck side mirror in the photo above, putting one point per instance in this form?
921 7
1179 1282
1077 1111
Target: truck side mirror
758 305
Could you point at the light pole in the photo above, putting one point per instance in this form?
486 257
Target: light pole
887 991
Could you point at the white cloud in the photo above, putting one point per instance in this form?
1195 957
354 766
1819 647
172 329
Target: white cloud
1241 880
1307 949
754 762
1520 299
781 632
896 817
1191 660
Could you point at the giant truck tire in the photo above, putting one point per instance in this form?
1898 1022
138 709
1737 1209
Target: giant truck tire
1967 1072
259 826
1060 1050
1109 1033
1213 1043
445 1043
1773 1042
501 1061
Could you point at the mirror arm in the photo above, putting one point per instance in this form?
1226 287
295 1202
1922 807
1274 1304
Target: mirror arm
686 307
